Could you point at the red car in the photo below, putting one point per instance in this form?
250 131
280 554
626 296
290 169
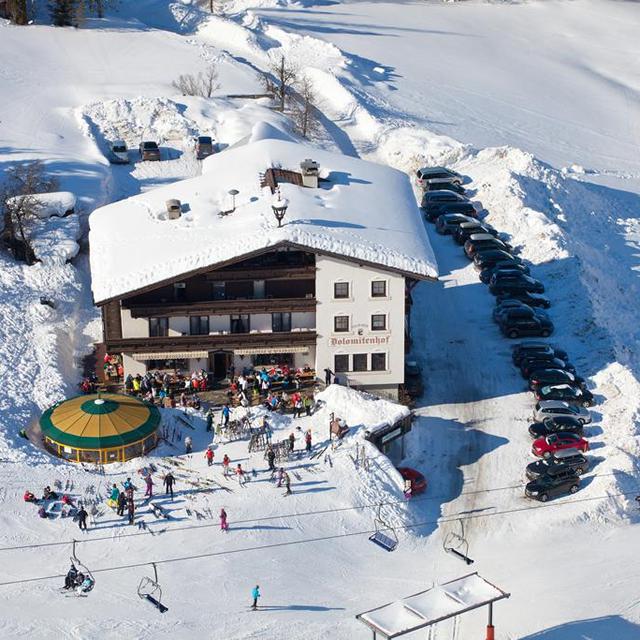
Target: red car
418 481
544 447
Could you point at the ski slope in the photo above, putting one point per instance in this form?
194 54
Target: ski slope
537 104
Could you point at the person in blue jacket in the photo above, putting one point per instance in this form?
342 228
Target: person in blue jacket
255 594
226 412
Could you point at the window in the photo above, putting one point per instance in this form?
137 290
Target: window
340 363
340 289
378 322
379 289
280 322
158 327
199 325
359 361
240 324
341 323
378 362
218 291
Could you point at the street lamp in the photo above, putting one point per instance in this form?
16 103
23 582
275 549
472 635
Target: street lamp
279 206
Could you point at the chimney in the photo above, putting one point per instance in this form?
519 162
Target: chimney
310 170
174 209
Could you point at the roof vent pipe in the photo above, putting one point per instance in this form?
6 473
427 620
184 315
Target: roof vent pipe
174 209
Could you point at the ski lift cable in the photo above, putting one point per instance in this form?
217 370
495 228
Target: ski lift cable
373 505
275 545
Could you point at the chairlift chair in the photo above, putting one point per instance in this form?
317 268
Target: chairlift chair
387 542
456 544
83 569
150 590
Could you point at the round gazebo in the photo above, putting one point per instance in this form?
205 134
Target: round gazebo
100 428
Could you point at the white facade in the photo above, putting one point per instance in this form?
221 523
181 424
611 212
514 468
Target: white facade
363 345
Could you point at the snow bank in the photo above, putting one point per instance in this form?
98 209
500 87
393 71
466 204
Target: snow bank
45 205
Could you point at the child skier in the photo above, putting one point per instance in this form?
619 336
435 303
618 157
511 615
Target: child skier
224 526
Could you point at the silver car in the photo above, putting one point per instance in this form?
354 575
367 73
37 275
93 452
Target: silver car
118 152
556 408
428 177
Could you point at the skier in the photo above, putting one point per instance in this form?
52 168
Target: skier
280 476
209 456
70 578
225 465
188 444
292 442
224 526
255 594
113 497
149 482
240 475
82 518
131 510
85 586
29 497
307 440
209 420
287 483
168 484
308 403
271 457
122 501
226 412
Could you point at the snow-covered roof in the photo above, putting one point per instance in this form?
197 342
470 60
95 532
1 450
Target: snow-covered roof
360 211
428 607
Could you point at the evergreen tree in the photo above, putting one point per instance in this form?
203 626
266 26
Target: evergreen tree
63 12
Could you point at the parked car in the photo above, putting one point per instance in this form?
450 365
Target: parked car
440 196
555 408
481 241
528 326
500 309
501 283
418 481
529 366
536 349
413 384
429 177
545 377
559 424
118 152
566 392
508 314
448 222
204 147
528 297
503 267
467 229
557 463
486 258
544 447
446 186
549 486
149 150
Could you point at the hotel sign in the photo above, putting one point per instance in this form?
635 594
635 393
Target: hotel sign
358 340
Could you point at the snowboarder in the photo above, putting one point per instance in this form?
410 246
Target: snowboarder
226 412
131 511
209 456
225 465
307 440
122 501
240 475
188 444
224 526
287 483
255 594
149 482
292 442
209 420
271 457
168 484
82 518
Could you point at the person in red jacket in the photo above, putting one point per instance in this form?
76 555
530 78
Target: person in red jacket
209 456
224 525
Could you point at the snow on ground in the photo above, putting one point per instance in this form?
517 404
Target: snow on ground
553 96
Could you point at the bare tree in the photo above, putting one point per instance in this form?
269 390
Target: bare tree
280 79
204 84
214 6
20 203
17 11
305 113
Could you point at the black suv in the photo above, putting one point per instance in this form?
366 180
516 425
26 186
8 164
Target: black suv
434 210
536 350
507 283
553 484
558 424
536 326
563 459
546 377
467 229
532 299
